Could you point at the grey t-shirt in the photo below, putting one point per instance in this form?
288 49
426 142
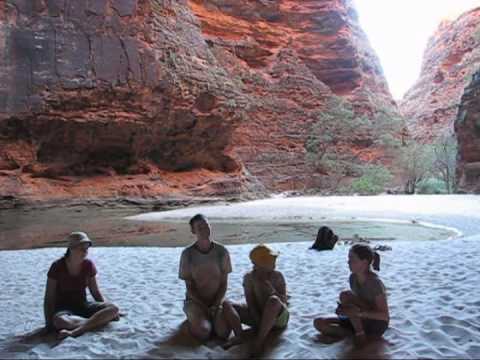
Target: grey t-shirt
205 270
369 290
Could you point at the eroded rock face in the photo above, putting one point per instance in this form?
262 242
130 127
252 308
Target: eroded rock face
147 97
101 87
452 56
292 57
467 129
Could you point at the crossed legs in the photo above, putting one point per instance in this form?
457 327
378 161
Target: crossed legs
330 326
74 326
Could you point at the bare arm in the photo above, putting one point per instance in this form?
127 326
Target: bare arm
252 305
281 288
94 290
49 302
222 290
380 312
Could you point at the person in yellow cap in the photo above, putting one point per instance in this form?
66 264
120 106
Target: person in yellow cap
266 296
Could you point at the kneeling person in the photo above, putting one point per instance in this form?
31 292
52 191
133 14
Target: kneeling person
266 296
204 266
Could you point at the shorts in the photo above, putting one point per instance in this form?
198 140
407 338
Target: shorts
85 310
282 319
370 327
247 319
194 310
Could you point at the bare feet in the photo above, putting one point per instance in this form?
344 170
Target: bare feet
118 316
234 341
360 340
63 334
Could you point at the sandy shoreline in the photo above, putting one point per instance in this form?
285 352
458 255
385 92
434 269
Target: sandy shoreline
284 220
432 287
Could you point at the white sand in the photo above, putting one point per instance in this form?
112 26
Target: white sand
433 291
333 207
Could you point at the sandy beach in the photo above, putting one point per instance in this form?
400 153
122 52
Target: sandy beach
432 287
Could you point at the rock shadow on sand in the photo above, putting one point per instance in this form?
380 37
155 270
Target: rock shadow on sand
180 340
25 343
344 348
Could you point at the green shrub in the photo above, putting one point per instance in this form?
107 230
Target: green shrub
431 186
373 180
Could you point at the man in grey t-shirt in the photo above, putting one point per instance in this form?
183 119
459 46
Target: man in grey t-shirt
204 266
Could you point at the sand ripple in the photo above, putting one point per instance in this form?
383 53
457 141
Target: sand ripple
433 292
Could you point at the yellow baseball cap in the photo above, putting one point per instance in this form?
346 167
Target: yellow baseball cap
263 256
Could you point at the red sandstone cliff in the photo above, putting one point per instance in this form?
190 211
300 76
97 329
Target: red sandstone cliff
292 57
451 57
142 98
467 130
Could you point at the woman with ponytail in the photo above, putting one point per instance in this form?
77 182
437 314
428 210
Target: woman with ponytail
362 311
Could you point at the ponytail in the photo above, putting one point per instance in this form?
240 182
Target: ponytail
376 261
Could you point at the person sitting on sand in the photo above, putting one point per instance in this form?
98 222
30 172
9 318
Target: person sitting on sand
266 296
66 307
326 239
363 311
204 266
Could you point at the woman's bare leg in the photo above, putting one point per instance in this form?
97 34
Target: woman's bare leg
98 319
67 322
348 298
271 310
234 315
221 326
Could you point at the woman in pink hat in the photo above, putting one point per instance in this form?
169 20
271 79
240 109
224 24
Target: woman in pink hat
66 307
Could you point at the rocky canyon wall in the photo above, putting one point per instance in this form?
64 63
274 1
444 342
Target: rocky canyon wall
106 98
467 130
292 57
452 56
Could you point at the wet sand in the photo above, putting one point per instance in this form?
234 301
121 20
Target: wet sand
28 229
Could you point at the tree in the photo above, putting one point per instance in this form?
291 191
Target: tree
416 161
342 143
373 180
445 161
327 146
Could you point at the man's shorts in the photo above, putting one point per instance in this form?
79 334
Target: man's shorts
194 310
85 310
